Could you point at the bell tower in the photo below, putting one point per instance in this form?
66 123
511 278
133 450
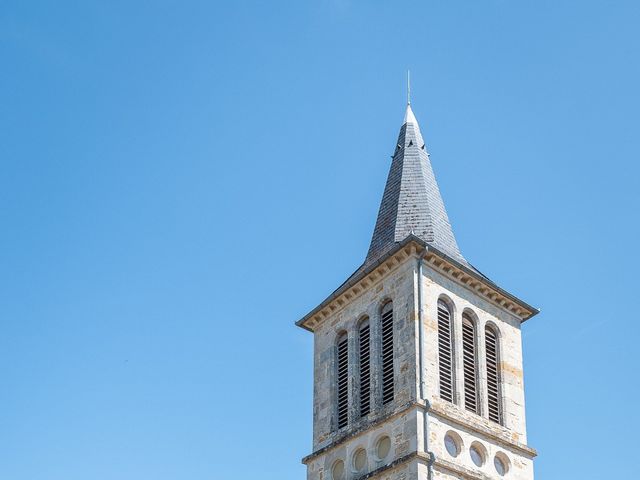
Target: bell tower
417 355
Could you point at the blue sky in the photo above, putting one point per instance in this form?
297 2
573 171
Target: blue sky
181 181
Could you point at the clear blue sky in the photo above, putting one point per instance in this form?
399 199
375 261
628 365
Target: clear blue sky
181 181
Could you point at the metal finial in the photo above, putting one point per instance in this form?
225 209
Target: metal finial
408 87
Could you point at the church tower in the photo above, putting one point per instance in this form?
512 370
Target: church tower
417 355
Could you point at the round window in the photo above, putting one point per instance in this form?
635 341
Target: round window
360 460
501 462
383 448
451 445
476 455
337 472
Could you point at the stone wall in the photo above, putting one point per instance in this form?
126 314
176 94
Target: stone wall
402 421
397 286
491 439
436 286
401 432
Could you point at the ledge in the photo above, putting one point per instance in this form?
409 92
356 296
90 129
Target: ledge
464 472
361 430
396 463
479 425
356 284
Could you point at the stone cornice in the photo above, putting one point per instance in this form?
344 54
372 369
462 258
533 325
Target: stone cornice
494 432
362 430
479 284
481 426
395 464
424 458
459 470
356 285
439 464
413 246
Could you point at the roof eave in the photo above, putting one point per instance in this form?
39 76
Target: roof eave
361 272
355 277
469 271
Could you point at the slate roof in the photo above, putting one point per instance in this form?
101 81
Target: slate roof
412 210
411 203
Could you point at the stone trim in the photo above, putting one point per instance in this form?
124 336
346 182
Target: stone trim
362 430
482 287
353 288
396 463
464 472
439 261
439 464
423 457
496 433
477 425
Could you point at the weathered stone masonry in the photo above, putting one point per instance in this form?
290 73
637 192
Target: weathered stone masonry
413 235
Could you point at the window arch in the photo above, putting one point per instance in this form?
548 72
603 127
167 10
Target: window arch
386 324
364 363
445 351
469 360
342 390
493 373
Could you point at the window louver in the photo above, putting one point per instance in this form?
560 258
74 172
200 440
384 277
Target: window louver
445 351
493 376
469 364
365 369
343 382
387 354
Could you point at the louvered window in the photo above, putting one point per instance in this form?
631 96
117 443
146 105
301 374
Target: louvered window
387 353
493 375
469 364
343 382
364 344
445 351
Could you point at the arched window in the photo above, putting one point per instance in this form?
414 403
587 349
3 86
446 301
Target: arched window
364 354
469 363
387 353
493 374
445 350
343 381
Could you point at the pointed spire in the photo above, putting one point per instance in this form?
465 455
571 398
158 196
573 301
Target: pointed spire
411 203
409 117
